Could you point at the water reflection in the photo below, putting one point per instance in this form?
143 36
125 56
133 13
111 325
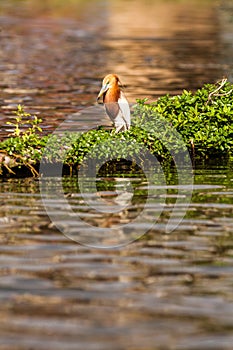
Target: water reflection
168 46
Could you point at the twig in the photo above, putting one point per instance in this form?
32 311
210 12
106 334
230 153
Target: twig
28 165
226 93
4 161
9 169
213 93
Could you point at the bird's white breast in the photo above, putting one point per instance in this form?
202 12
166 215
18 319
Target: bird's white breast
123 117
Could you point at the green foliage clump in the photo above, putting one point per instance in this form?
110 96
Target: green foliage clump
200 122
204 119
25 144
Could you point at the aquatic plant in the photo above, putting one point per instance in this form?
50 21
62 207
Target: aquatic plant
203 121
23 147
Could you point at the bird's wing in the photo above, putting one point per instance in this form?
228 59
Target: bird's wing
124 107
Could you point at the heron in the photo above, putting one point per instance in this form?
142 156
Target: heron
116 104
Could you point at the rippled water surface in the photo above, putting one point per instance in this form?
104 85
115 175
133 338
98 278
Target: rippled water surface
162 291
165 290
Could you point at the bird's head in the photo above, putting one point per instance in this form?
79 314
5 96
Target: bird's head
111 81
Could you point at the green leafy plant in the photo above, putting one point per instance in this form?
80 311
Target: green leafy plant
204 119
200 121
24 143
23 118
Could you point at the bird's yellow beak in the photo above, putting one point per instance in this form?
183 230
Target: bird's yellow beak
103 90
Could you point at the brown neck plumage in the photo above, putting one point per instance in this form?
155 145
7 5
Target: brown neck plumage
110 100
112 94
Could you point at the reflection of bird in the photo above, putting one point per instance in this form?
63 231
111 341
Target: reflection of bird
116 104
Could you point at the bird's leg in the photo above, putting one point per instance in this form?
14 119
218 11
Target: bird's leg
119 128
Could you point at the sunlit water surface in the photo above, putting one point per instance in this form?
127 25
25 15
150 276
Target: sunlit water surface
164 290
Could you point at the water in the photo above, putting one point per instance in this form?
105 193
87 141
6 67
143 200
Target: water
54 56
164 290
